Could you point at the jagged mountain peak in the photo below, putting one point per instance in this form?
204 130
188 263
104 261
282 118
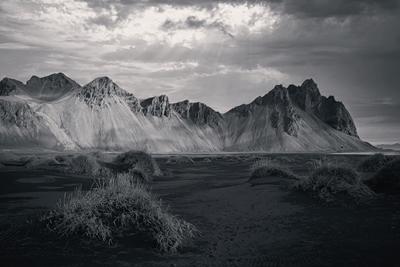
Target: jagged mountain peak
157 106
198 112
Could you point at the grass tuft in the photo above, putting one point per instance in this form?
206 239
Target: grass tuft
374 162
333 182
2 166
267 167
387 179
140 160
115 207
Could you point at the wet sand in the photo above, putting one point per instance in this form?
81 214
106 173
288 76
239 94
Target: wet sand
243 223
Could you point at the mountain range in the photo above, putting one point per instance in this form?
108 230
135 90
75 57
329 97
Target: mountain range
56 112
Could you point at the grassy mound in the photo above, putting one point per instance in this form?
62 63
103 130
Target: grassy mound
180 160
267 167
387 179
140 160
374 162
2 166
333 182
116 207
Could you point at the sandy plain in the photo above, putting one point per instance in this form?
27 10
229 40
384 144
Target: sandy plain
243 222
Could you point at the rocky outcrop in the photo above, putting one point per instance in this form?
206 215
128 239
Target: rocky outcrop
283 115
11 87
156 106
101 90
198 113
17 113
20 126
330 111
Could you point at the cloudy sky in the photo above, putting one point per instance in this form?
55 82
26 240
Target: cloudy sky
222 53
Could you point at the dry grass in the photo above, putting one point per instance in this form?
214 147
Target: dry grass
267 167
87 165
333 182
387 179
374 162
140 160
118 204
179 160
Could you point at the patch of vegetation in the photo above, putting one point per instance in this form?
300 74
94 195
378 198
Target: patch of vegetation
2 166
387 179
334 182
87 165
42 161
4 157
100 156
64 159
140 174
267 167
140 160
115 207
374 162
283 159
180 160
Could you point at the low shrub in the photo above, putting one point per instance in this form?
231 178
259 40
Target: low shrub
331 182
84 164
267 167
115 207
374 162
138 159
180 160
387 179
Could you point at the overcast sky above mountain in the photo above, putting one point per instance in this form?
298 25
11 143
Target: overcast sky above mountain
222 53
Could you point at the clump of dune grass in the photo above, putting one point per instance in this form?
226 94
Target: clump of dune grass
117 206
180 160
140 160
331 181
140 174
373 162
88 166
2 166
387 179
267 167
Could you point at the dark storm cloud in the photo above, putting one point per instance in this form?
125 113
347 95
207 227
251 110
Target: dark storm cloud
336 8
302 8
192 22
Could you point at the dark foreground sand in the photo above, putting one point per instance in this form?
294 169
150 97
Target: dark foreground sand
243 223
